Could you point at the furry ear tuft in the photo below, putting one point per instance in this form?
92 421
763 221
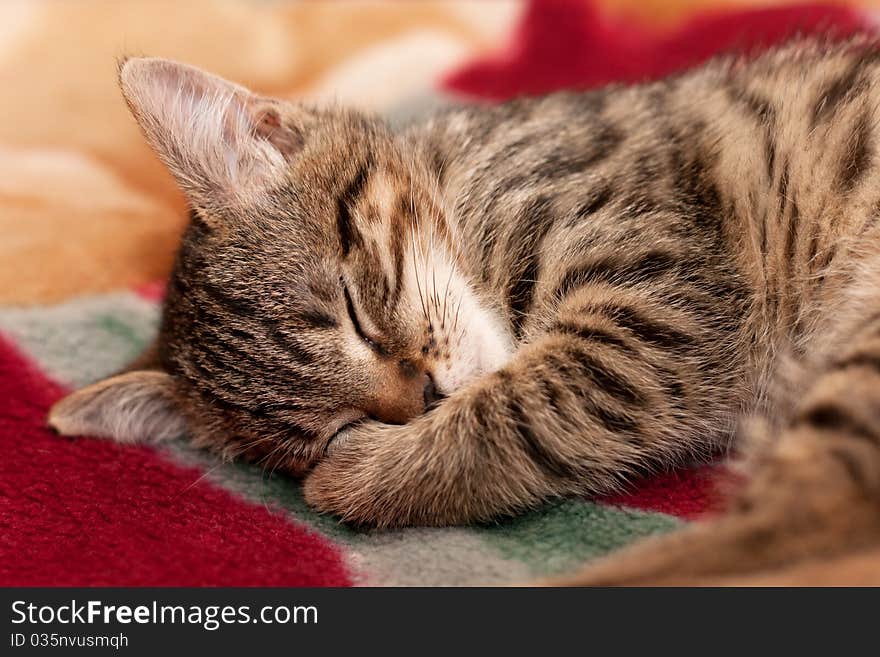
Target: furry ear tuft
216 137
132 407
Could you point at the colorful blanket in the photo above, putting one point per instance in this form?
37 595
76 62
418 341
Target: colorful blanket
90 220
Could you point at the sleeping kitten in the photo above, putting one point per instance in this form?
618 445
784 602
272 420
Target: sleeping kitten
548 297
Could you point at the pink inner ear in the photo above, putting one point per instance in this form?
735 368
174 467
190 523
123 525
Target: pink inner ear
269 125
218 138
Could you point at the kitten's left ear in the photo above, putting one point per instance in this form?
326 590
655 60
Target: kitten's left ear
220 141
132 407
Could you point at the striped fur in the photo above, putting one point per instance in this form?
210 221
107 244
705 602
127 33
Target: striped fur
547 297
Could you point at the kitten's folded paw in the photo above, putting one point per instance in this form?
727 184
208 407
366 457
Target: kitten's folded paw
378 476
325 489
345 482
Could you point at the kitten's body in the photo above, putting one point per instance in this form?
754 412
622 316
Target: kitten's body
600 284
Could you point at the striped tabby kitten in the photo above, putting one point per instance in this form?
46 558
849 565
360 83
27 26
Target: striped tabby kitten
548 297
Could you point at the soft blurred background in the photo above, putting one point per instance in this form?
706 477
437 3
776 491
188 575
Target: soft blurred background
84 207
89 221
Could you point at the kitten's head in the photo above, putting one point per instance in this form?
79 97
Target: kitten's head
316 284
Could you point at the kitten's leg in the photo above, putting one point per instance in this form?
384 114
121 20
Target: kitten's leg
817 498
857 569
815 489
609 391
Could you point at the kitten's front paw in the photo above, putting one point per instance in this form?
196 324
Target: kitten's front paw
386 475
345 482
327 488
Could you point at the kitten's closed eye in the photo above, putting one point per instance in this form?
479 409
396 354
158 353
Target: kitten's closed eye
371 342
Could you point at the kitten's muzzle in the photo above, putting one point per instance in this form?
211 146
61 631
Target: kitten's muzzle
407 393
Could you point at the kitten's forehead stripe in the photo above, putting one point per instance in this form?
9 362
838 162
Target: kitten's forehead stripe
399 222
348 233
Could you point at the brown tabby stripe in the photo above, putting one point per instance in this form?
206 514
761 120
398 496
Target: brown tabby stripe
765 114
258 413
348 233
222 393
762 239
536 219
564 162
317 319
693 184
613 270
598 198
789 218
288 344
224 388
238 305
398 245
646 329
854 466
243 359
782 190
592 335
841 90
551 393
604 376
500 189
833 418
605 140
613 421
791 237
870 221
857 154
352 314
247 308
860 360
671 380
545 458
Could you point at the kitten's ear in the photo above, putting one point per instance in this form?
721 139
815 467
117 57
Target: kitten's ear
132 407
221 141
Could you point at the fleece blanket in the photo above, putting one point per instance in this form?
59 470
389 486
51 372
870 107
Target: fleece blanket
89 221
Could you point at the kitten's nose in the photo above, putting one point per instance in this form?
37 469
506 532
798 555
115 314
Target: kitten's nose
431 394
406 395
